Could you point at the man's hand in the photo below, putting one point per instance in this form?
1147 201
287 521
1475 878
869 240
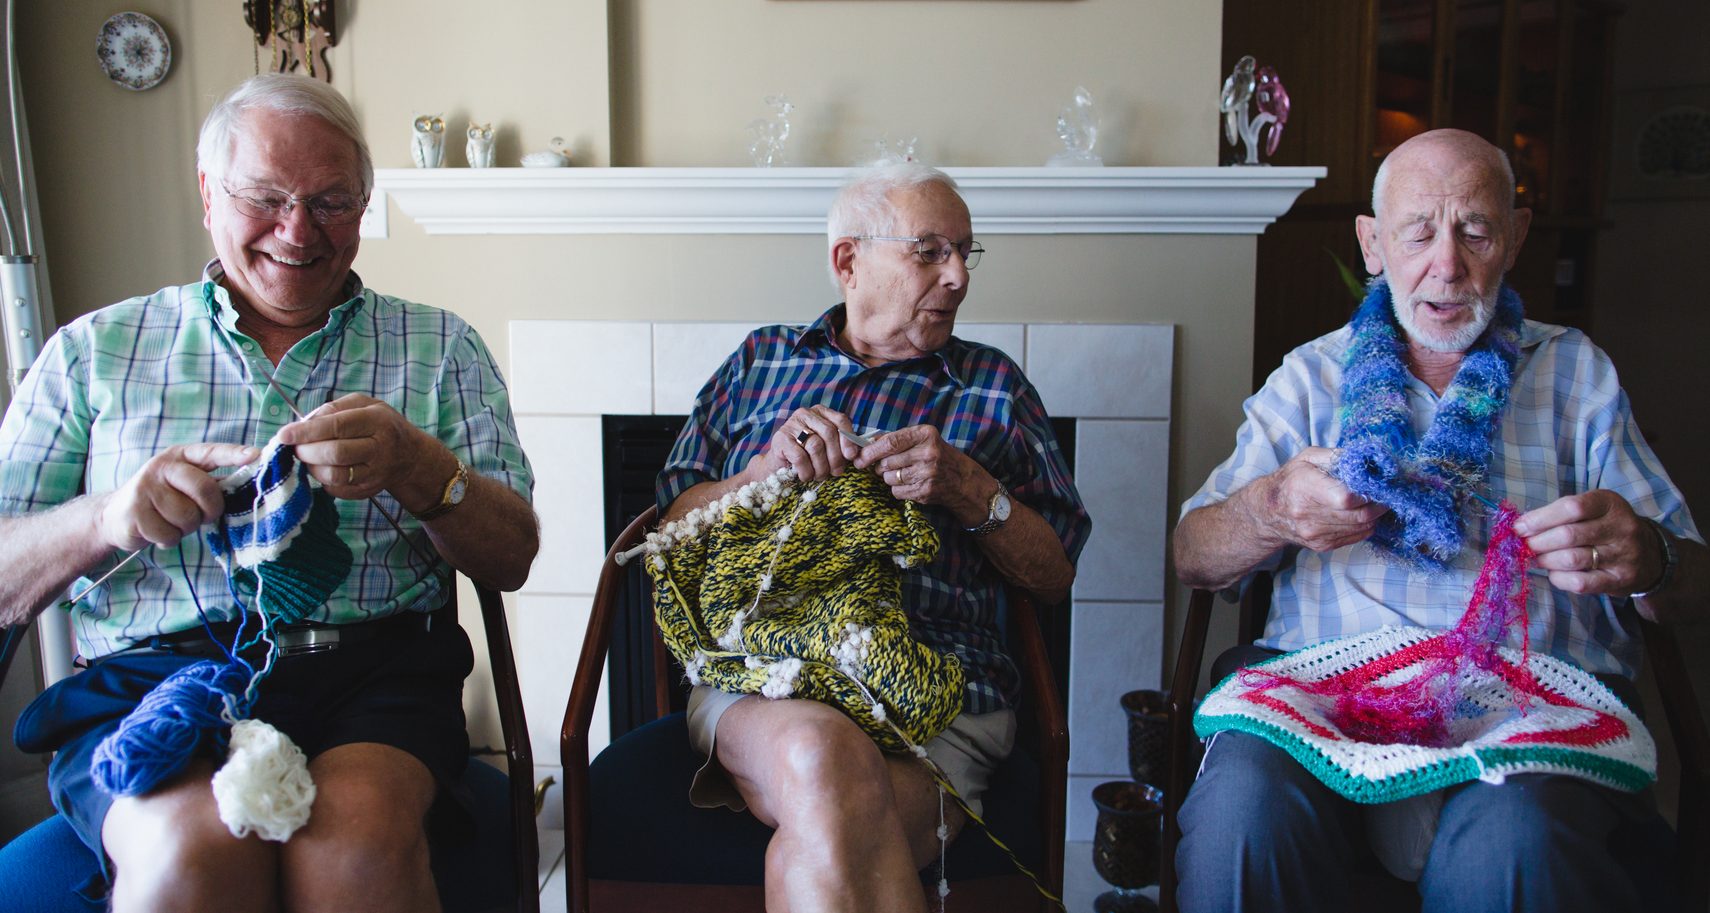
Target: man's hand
358 446
809 442
170 497
919 466
1304 504
1593 544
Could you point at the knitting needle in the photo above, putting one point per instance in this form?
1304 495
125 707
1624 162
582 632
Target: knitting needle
859 440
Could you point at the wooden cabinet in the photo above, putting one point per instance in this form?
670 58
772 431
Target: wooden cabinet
1531 76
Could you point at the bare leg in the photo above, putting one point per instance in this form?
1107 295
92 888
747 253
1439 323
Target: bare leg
171 852
365 847
851 823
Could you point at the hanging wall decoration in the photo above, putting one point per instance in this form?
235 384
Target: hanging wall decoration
133 51
296 34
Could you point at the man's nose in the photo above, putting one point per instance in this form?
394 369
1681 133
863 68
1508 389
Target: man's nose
953 272
1448 263
296 226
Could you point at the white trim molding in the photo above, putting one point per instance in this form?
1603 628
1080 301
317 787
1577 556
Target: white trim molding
546 201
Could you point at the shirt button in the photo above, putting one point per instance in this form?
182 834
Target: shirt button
273 411
248 346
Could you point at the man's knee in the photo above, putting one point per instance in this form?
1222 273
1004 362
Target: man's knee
1546 837
367 826
172 848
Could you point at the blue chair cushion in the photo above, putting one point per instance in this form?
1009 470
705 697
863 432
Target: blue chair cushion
645 775
44 869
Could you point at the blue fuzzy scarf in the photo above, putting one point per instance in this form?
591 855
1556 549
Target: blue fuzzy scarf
1421 482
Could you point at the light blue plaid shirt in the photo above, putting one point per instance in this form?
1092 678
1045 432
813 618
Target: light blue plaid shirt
115 387
1567 430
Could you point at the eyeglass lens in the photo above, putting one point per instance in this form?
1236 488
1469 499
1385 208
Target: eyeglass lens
325 209
935 249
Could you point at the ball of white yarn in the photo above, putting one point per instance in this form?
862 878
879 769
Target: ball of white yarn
264 786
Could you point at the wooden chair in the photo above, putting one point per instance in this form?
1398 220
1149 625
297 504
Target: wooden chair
635 844
1680 707
41 868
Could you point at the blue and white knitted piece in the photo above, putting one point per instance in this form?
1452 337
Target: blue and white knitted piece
1422 482
260 520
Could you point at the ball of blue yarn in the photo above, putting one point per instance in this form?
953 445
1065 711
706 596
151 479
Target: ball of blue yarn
160 736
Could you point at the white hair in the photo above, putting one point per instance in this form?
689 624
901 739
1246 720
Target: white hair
286 93
1381 181
863 205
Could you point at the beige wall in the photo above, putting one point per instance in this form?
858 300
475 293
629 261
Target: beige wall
979 82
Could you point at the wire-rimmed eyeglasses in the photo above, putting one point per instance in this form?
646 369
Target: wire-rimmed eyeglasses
935 249
270 205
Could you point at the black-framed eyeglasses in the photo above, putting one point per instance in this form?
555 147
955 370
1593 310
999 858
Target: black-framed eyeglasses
935 249
270 205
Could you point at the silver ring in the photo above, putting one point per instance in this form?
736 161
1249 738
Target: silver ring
1594 557
802 436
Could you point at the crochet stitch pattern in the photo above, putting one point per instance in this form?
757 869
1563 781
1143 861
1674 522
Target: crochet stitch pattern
1421 482
1404 711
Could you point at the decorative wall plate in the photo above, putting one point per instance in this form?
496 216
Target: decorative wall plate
134 51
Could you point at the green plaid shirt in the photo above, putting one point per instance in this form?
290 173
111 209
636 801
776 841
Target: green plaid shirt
117 386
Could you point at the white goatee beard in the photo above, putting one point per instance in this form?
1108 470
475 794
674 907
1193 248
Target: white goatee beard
1459 339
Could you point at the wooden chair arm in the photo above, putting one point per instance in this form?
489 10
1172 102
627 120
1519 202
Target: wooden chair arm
1692 744
1051 724
519 753
1189 659
579 710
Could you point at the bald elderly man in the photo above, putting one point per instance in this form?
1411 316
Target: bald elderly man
1611 530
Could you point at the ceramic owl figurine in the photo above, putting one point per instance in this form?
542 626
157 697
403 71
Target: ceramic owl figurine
427 141
480 147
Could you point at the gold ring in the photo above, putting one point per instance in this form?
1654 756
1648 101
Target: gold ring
350 475
802 436
1594 557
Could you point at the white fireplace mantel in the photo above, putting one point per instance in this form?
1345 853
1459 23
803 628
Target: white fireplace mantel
469 201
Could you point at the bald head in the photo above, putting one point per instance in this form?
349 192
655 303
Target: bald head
1452 154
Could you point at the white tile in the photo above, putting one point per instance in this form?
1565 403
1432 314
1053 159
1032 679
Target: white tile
581 367
553 898
549 640
685 355
1122 472
1082 814
565 455
1114 648
1102 371
1008 338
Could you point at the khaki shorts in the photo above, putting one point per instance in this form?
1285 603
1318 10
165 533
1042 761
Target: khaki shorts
967 752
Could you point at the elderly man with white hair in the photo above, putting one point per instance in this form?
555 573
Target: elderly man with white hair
110 447
958 430
1549 429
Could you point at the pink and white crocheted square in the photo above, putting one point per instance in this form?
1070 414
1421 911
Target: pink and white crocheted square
1499 719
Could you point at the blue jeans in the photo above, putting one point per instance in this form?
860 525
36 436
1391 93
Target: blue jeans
1261 833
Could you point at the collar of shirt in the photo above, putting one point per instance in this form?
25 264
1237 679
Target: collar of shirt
218 299
823 333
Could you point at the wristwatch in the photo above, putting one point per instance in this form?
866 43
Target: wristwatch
453 495
997 511
1670 560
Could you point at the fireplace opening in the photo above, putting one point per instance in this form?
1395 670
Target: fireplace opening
634 449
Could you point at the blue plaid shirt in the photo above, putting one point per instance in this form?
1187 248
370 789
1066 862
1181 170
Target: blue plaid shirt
1567 430
974 395
115 387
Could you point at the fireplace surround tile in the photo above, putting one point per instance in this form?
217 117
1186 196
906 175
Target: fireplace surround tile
1102 371
581 367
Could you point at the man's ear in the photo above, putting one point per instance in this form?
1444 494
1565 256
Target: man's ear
843 262
207 201
1366 229
1519 223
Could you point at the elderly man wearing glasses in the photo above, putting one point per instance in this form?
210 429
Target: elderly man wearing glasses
109 448
947 423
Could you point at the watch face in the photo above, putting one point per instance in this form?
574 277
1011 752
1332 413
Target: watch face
1000 507
455 495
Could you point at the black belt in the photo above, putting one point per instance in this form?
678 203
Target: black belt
293 639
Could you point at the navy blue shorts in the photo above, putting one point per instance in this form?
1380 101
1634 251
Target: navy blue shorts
404 692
